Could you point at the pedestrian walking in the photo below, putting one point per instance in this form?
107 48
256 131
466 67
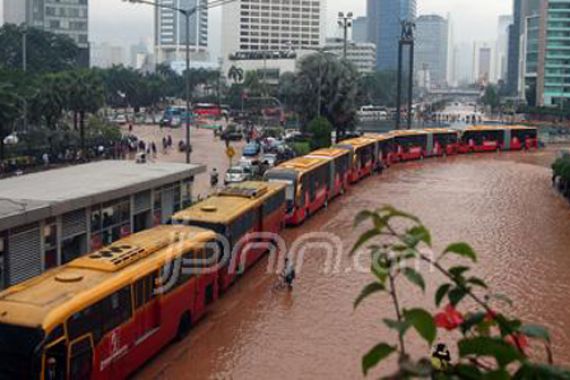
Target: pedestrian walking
153 148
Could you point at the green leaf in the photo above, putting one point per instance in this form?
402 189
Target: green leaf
423 322
363 239
537 332
421 233
500 374
380 272
501 297
458 271
441 292
541 371
482 346
369 289
375 356
473 320
395 213
456 295
461 249
400 327
414 277
477 282
361 217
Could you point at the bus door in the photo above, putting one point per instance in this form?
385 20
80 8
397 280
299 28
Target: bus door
508 135
431 144
335 179
81 358
147 307
55 361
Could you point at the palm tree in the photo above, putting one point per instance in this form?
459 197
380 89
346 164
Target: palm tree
235 74
85 95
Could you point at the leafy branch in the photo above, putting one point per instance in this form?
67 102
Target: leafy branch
491 344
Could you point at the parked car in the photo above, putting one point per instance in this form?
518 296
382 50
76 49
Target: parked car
166 121
121 119
236 174
251 165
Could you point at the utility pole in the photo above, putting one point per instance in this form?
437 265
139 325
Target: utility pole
345 22
406 39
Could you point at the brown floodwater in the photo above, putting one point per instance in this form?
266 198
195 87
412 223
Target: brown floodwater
502 204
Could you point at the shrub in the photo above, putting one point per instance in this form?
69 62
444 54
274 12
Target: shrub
320 129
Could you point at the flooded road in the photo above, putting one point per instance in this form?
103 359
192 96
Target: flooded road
502 204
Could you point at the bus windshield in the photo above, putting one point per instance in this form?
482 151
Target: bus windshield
17 346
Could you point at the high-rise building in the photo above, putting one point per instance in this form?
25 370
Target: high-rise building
432 32
384 28
483 63
105 55
521 10
360 30
551 31
69 18
502 48
361 54
275 25
170 31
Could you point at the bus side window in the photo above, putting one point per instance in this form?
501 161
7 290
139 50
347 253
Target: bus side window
144 290
116 309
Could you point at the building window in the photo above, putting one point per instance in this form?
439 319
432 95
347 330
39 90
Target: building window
50 244
110 222
157 207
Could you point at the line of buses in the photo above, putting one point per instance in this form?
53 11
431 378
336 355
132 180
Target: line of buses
104 315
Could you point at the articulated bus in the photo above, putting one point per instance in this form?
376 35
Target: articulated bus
520 137
409 144
339 167
104 315
384 150
363 156
442 142
307 181
482 138
238 213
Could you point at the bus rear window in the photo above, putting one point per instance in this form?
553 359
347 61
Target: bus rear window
17 350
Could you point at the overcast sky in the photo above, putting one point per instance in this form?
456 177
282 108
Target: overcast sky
120 23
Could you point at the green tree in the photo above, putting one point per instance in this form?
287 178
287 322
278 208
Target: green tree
9 112
46 52
337 82
320 130
379 88
491 98
85 94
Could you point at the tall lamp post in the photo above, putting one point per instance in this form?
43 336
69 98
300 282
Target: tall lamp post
186 13
345 22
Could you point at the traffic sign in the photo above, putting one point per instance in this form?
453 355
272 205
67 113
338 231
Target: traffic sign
230 152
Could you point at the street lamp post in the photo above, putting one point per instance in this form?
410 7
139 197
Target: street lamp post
24 69
345 22
187 13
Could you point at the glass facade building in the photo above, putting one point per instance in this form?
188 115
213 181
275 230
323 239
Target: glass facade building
432 33
384 18
557 54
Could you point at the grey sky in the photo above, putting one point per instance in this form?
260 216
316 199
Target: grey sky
121 23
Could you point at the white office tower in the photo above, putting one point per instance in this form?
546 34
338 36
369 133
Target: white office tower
170 31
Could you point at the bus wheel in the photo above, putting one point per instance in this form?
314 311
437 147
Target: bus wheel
184 326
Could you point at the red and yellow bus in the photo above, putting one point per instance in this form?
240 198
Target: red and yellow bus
442 142
239 213
363 151
384 151
104 315
339 167
307 180
521 137
409 144
482 138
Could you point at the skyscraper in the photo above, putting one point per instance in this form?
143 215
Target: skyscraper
483 63
384 27
69 18
502 49
431 52
521 10
553 35
170 31
360 30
